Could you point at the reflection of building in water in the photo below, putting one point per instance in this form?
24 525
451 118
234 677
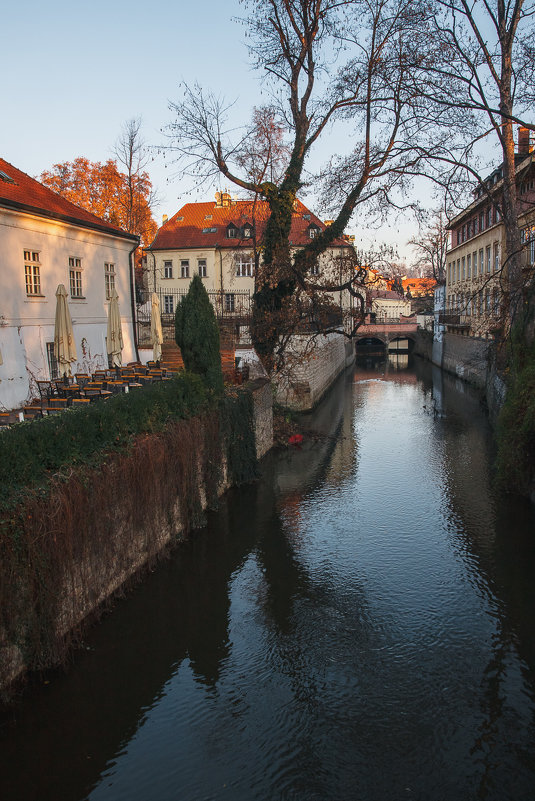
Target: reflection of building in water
398 361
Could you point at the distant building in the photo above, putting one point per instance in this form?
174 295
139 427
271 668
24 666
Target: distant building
45 241
387 306
221 243
476 253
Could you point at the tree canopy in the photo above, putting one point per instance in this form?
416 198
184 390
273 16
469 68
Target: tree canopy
102 189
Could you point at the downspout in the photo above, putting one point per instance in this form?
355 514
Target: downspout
133 295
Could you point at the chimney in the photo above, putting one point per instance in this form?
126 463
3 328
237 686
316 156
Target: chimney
523 141
164 219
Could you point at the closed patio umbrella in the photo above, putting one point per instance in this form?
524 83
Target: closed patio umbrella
114 336
64 347
156 328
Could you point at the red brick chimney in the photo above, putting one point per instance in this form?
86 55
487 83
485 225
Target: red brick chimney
523 141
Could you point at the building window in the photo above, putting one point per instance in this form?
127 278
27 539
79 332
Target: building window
474 264
481 220
458 269
201 267
32 272
313 231
109 278
229 303
481 261
247 233
469 266
232 232
488 259
244 264
75 277
168 304
463 261
489 216
52 361
496 257
168 269
315 269
184 268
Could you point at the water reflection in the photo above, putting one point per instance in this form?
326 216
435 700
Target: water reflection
357 625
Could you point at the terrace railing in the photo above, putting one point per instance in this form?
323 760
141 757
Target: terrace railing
228 305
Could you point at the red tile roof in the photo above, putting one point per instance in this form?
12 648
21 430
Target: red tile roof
19 191
204 225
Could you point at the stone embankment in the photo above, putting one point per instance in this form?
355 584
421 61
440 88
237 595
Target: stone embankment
101 528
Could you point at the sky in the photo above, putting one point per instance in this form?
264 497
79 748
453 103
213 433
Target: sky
75 73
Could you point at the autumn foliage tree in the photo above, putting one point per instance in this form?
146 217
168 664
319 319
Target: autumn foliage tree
104 190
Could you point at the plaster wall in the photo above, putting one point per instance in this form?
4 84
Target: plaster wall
27 321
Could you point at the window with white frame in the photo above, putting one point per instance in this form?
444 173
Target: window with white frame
481 261
488 258
232 232
313 231
201 267
247 232
469 266
474 264
463 262
496 257
315 269
184 268
109 278
32 272
168 304
244 263
168 269
229 302
528 240
75 277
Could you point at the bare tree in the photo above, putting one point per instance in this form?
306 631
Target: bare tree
430 247
138 199
372 50
484 68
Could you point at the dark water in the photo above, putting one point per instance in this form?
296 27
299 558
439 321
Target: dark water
357 625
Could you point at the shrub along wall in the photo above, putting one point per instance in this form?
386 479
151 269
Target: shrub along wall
96 494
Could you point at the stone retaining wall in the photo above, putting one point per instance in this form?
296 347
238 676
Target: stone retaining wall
313 365
94 577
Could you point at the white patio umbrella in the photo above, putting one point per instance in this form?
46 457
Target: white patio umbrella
64 347
114 335
156 328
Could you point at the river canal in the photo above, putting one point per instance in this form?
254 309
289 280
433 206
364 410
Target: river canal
356 626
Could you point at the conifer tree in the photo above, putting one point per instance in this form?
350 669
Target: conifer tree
197 335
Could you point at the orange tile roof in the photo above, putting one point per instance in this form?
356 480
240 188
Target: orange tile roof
204 225
419 286
19 191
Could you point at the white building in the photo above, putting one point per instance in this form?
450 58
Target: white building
45 241
217 241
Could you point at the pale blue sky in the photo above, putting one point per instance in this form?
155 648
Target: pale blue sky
73 74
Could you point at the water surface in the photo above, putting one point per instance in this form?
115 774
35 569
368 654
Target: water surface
356 625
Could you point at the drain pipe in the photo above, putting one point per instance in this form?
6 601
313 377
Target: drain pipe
133 295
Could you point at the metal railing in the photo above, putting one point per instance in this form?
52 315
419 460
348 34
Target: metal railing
229 305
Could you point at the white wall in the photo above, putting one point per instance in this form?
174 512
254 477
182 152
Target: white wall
27 323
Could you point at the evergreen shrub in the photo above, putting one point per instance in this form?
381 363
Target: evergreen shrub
197 335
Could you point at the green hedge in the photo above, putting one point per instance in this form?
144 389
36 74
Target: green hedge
30 451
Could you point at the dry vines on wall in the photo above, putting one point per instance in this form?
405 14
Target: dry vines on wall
65 550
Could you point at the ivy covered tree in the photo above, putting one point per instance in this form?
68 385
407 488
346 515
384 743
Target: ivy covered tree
197 335
372 50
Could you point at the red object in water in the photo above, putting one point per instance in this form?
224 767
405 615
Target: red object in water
295 439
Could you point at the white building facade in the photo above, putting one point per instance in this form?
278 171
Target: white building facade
46 241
